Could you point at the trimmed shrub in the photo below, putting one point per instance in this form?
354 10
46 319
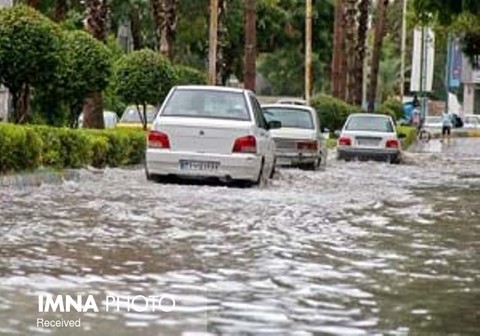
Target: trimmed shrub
332 112
29 147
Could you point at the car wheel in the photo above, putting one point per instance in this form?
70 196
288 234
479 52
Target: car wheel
273 171
261 181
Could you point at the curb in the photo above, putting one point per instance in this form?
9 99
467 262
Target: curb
38 178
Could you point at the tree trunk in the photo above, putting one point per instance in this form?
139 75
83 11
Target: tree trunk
250 44
165 19
96 19
350 43
338 73
96 23
33 3
364 8
380 19
93 111
136 27
221 43
60 10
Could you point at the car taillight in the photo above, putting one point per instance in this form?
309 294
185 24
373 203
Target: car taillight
307 145
246 144
392 143
158 140
344 141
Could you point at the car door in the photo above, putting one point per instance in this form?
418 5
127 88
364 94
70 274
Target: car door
266 146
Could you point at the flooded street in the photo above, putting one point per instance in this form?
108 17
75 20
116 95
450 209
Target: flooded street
361 248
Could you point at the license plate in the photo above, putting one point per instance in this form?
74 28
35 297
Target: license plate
368 142
199 165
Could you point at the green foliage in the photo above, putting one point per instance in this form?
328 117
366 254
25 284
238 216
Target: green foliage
332 112
29 147
393 107
410 133
189 76
29 48
20 148
144 77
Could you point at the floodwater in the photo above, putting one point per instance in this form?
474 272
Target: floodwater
361 248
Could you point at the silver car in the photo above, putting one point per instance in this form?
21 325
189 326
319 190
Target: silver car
299 141
369 137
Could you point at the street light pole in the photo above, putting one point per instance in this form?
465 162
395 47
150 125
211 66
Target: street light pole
212 44
308 51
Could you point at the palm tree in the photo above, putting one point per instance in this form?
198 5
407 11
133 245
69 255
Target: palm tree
165 19
338 59
380 19
364 8
350 44
96 23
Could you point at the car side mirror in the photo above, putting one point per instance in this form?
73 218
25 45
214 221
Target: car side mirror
402 135
274 124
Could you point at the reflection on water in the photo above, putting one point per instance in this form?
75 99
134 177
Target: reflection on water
361 248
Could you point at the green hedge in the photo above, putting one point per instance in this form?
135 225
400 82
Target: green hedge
332 112
29 147
411 135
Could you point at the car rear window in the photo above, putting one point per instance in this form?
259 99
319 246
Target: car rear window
372 124
207 104
293 118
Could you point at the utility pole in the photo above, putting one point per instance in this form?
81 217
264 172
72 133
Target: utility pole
250 45
212 44
308 51
403 50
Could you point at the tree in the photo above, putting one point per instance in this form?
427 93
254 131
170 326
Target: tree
87 69
360 50
186 75
376 53
29 54
250 44
350 44
165 18
96 23
144 77
338 59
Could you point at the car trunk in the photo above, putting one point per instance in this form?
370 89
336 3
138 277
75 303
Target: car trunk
286 139
368 139
202 135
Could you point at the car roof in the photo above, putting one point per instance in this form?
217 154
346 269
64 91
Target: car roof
293 101
289 106
211 88
369 115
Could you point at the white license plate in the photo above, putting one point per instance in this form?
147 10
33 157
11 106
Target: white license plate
368 143
199 165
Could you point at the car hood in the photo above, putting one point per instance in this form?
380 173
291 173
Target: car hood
293 133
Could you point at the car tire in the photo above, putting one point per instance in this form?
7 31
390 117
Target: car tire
260 180
274 169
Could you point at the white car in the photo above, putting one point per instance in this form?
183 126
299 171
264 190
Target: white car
369 136
211 132
299 141
292 101
471 121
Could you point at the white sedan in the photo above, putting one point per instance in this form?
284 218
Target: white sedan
369 136
299 141
471 121
211 132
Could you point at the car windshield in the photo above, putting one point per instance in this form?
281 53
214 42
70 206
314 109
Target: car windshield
433 120
207 104
131 115
294 118
373 124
